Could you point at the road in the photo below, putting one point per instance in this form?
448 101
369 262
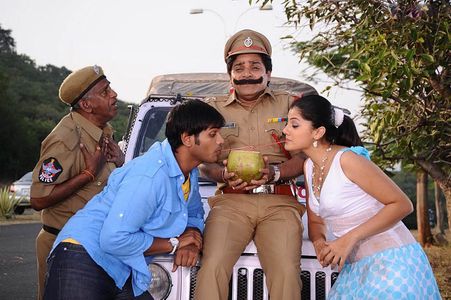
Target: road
18 261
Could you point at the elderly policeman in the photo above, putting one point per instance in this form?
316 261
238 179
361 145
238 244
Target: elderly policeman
265 210
76 157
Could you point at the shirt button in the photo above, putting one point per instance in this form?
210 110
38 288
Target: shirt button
184 215
99 183
159 161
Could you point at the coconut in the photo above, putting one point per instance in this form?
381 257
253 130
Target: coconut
245 164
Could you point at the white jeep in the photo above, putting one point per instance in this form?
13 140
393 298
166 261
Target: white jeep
147 125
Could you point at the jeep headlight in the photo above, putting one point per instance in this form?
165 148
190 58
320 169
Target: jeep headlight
161 284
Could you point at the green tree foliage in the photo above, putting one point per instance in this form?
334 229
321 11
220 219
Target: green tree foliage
30 108
398 52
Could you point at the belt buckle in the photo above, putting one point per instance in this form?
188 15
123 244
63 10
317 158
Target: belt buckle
264 189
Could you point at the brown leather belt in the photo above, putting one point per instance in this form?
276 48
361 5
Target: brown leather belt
278 189
51 230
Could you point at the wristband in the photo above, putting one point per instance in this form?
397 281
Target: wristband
222 175
276 174
87 172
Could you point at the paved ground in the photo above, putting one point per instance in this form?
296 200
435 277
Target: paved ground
17 260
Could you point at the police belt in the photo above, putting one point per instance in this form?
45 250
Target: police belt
278 189
51 230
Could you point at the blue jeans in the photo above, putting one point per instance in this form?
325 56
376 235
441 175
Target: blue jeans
73 275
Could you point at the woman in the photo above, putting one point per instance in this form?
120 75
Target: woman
350 196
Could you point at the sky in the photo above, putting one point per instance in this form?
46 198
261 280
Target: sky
137 40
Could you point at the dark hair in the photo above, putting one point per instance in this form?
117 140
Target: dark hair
192 117
320 112
267 62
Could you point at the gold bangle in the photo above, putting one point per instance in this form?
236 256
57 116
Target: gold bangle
87 172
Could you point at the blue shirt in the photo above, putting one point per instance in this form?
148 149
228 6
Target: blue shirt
142 200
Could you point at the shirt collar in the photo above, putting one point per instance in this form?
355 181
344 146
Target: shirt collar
174 168
94 131
267 91
169 157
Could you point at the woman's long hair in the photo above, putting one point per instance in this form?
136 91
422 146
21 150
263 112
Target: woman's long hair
320 112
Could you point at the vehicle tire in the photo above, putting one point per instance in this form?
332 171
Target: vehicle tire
18 210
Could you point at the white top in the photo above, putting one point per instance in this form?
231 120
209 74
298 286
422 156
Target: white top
344 205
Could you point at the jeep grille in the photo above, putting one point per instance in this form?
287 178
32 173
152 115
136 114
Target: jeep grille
256 289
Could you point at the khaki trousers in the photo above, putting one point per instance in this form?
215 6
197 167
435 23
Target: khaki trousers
44 243
273 222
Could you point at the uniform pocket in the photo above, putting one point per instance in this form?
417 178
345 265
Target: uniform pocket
229 131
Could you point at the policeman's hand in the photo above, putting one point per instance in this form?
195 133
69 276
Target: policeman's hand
94 162
191 236
186 257
113 152
265 176
231 180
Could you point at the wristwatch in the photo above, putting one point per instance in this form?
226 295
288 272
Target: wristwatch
174 242
276 174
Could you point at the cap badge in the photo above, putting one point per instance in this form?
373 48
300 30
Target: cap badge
248 42
96 69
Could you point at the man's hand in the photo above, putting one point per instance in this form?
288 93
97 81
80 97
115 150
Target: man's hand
93 162
229 178
186 257
113 152
191 236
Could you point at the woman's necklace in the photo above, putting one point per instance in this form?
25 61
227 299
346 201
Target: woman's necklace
317 187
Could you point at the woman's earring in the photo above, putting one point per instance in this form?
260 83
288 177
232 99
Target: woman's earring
315 144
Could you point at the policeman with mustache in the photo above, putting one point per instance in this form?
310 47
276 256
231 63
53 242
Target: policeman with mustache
264 210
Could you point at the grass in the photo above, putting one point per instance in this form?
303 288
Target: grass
7 203
440 259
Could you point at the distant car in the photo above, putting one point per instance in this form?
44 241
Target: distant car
21 190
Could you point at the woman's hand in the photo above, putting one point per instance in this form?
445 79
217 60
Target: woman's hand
265 176
318 245
336 252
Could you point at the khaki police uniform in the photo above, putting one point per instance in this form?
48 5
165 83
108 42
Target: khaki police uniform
272 221
61 159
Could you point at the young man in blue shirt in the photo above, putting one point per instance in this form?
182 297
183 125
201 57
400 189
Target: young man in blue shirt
151 205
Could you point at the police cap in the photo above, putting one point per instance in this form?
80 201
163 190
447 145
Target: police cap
78 83
247 41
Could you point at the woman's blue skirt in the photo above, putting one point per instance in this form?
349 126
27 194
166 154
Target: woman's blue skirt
396 273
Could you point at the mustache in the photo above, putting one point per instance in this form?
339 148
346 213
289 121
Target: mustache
248 81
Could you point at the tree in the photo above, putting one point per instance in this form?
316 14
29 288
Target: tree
424 229
30 108
398 53
7 44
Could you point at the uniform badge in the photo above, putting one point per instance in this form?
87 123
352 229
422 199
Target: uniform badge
248 42
229 125
50 171
96 69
